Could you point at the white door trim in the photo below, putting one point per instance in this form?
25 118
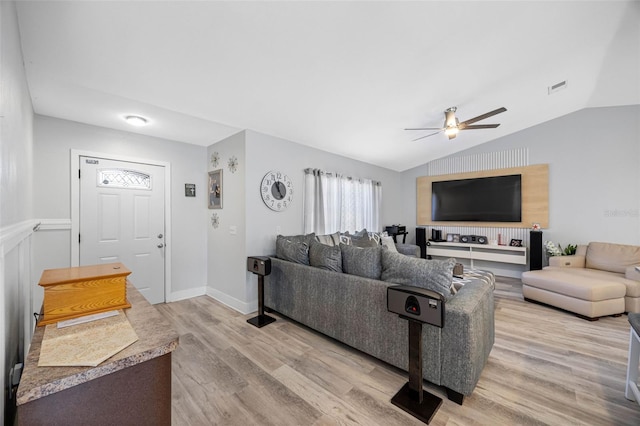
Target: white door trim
75 207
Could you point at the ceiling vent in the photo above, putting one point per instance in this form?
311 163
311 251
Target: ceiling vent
558 86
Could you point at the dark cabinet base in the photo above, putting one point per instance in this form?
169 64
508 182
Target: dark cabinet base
136 395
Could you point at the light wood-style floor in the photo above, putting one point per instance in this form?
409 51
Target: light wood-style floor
546 367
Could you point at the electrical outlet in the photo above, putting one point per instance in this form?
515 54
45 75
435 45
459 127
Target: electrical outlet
233 230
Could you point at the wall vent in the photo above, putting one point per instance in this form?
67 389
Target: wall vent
558 86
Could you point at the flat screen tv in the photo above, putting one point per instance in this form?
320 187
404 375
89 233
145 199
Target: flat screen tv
488 199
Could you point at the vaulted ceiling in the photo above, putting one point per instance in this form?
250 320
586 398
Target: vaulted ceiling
345 77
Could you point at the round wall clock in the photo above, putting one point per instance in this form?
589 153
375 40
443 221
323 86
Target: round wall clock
276 191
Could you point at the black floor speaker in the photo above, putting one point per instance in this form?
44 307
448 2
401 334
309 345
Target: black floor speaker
421 241
535 250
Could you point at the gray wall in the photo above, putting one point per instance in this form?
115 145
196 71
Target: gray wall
16 171
54 140
226 244
257 225
594 173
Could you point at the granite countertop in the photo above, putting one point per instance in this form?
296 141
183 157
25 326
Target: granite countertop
155 338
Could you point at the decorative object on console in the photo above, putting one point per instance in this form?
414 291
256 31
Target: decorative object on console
436 235
215 189
515 243
535 227
276 190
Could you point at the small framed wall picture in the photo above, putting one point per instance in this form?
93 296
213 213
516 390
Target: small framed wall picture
215 189
515 243
189 189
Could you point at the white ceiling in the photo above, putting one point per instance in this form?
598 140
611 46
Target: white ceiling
345 77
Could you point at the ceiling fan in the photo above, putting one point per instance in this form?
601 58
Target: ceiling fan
452 126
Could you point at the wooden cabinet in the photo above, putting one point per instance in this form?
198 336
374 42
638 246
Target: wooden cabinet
131 387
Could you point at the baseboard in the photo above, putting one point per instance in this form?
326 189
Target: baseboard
187 294
232 302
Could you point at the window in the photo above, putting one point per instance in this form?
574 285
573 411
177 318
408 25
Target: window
334 202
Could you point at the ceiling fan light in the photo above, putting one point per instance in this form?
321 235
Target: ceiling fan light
451 131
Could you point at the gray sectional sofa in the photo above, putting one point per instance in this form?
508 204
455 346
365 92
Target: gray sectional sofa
353 310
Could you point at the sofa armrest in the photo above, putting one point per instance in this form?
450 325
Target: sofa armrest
574 261
408 249
467 336
632 273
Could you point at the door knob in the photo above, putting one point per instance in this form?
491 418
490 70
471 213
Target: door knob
160 235
160 245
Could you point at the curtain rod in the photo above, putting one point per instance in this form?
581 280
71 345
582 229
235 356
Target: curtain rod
310 171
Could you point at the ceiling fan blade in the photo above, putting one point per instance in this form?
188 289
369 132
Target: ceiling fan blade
485 115
426 136
477 126
425 128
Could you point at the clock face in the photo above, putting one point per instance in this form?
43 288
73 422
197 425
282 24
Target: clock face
276 190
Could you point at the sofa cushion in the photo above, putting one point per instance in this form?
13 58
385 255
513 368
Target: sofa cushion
296 250
436 275
362 261
325 257
633 287
612 257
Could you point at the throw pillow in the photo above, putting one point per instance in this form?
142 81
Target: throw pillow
293 251
363 262
305 238
388 243
329 239
345 239
436 275
325 257
363 242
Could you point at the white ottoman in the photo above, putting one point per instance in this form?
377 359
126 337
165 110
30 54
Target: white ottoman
589 297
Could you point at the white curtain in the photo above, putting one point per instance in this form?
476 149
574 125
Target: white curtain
337 203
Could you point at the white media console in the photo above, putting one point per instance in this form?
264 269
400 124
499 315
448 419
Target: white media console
487 252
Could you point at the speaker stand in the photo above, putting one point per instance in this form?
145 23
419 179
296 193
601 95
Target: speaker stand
412 398
261 319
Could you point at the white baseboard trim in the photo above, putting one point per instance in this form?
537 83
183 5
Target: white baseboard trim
240 306
187 294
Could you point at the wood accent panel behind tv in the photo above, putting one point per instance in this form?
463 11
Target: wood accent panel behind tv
535 196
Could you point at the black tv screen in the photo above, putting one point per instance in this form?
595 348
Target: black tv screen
489 199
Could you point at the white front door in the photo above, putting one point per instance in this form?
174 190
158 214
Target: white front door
122 220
